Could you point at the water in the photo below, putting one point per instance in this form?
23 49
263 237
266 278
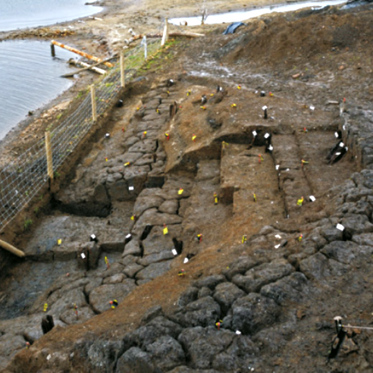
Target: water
16 14
29 79
244 15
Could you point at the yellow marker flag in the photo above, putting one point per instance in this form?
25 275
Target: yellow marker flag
165 230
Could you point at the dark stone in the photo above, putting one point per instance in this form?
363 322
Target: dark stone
242 265
202 345
262 275
151 313
291 288
204 292
166 353
210 281
149 333
136 360
188 296
253 312
226 293
204 312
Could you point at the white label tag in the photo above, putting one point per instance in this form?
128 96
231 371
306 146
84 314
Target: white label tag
82 255
312 198
340 227
174 251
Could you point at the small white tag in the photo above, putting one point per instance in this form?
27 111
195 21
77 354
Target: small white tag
270 147
186 260
238 332
131 188
344 127
93 237
288 169
263 108
82 255
341 144
338 153
277 246
129 235
266 135
336 135
278 236
312 198
277 166
340 227
346 148
312 107
49 357
254 133
174 251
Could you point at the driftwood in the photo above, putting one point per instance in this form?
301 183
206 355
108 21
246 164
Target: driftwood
69 75
90 67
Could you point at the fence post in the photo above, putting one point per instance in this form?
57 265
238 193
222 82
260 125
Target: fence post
122 73
48 150
165 33
93 103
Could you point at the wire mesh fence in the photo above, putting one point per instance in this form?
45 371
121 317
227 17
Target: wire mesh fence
23 178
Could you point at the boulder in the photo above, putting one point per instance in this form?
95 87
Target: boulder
69 316
253 312
170 207
188 296
153 270
202 312
100 297
242 265
202 345
226 293
209 281
264 274
166 353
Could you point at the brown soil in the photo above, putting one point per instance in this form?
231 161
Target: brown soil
333 48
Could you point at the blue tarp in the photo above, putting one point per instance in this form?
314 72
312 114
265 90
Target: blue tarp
231 29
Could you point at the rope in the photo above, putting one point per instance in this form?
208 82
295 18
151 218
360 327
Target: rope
357 327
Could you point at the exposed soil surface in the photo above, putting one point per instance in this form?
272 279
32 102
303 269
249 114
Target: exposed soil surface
275 295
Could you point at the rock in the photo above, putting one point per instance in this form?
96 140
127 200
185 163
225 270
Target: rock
315 267
210 281
84 313
259 276
115 279
253 312
132 248
149 333
132 269
100 297
331 233
61 301
348 252
202 312
204 292
170 207
135 361
184 369
355 224
102 354
242 265
94 282
156 257
151 313
144 203
166 353
153 270
363 239
188 296
202 345
290 288
156 242
226 293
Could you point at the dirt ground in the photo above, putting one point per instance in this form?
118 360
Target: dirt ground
304 60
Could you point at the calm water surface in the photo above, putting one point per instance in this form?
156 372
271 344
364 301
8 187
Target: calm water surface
29 76
16 14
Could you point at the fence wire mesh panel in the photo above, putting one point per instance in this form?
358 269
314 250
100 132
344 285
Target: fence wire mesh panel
24 177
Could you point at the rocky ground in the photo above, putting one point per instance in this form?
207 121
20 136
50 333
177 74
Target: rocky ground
275 295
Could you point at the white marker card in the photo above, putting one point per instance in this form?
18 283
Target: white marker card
82 255
277 246
278 236
266 135
174 251
312 198
340 227
336 134
312 107
131 188
264 107
186 260
129 235
238 332
277 166
254 133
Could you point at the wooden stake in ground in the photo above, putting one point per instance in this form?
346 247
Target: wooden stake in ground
48 150
11 249
93 103
165 33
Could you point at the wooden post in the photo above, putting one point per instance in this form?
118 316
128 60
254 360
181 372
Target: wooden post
53 51
86 55
48 150
11 249
165 33
122 72
93 103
